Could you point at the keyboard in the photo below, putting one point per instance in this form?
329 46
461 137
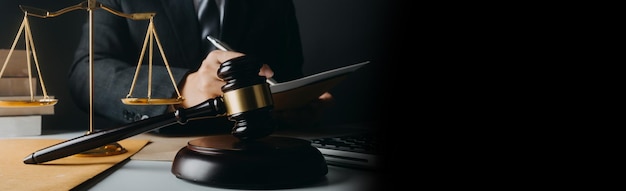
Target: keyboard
353 150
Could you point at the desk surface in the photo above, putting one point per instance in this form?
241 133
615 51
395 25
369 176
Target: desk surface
156 175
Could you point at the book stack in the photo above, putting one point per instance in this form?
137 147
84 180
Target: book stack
16 84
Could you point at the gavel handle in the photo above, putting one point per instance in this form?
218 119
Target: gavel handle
208 108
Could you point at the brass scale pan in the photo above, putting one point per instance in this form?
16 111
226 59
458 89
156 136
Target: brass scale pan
28 103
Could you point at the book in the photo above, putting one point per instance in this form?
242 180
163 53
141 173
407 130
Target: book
299 92
28 125
16 65
19 86
21 111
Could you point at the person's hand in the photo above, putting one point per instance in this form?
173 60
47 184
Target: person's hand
205 84
304 117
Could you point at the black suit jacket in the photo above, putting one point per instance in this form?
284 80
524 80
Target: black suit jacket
266 29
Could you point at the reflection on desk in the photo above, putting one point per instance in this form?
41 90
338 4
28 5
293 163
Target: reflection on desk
156 175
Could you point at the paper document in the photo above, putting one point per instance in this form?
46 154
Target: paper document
299 92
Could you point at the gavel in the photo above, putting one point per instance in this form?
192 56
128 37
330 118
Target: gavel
247 100
247 159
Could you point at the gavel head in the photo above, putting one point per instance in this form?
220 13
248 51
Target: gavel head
247 97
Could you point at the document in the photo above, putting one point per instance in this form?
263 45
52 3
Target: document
299 92
63 174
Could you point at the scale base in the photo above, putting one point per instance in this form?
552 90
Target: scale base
268 163
106 150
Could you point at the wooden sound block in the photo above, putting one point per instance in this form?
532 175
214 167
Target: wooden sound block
268 163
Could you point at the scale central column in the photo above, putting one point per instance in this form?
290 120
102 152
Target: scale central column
90 9
111 148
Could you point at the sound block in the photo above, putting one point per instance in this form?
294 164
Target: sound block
268 163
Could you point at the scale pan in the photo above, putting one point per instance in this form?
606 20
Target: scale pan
152 101
28 103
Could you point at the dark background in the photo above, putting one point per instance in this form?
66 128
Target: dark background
334 33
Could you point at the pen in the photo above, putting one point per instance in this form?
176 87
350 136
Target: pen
210 107
223 46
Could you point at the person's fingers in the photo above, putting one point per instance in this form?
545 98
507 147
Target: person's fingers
266 71
323 101
221 56
214 59
205 83
209 69
217 57
326 96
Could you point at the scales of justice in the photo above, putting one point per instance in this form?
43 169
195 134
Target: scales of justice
34 101
248 158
